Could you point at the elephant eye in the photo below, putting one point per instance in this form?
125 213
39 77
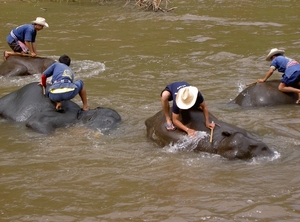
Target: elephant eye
225 133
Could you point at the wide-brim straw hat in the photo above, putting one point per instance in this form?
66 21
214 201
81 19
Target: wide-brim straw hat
186 97
274 52
41 21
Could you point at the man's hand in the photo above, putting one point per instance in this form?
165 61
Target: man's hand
43 87
190 132
210 125
261 80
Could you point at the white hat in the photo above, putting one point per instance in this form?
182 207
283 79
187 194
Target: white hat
274 52
40 21
186 97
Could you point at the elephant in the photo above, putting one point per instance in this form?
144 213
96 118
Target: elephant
17 65
29 105
228 141
264 94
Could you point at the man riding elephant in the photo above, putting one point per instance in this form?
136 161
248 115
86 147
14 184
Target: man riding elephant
290 82
227 140
184 97
63 85
190 115
22 40
28 105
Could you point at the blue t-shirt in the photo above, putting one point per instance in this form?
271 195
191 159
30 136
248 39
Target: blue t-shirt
59 72
174 87
285 65
23 33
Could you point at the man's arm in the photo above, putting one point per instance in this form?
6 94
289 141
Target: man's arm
30 47
190 132
34 47
204 108
43 80
269 73
178 123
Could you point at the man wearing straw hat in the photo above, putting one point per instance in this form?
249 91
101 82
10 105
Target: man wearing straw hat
22 39
290 69
184 97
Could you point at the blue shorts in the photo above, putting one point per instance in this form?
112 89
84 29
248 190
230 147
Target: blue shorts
293 80
57 97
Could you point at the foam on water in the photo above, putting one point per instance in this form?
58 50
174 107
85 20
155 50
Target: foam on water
186 143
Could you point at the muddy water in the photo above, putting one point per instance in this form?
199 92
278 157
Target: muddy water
126 57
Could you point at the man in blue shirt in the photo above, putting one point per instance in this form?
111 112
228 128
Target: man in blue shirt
185 97
22 39
290 69
63 86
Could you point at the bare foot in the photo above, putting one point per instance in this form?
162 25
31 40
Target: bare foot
85 108
298 101
58 106
5 55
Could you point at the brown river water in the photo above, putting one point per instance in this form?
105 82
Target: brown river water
126 56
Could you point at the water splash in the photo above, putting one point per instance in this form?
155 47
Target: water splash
87 68
241 86
258 160
8 82
186 143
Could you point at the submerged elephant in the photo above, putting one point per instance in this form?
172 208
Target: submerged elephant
30 106
264 94
228 141
24 65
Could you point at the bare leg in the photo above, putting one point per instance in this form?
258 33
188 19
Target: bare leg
83 97
284 88
58 106
6 54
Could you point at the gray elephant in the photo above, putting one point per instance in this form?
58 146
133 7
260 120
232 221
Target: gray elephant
24 65
228 141
28 105
264 94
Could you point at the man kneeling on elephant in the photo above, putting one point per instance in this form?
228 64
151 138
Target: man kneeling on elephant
63 86
184 97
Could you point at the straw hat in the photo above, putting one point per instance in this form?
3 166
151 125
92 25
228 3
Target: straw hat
186 97
40 21
274 52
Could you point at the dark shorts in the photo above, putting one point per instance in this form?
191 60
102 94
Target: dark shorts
15 47
57 97
293 81
167 89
